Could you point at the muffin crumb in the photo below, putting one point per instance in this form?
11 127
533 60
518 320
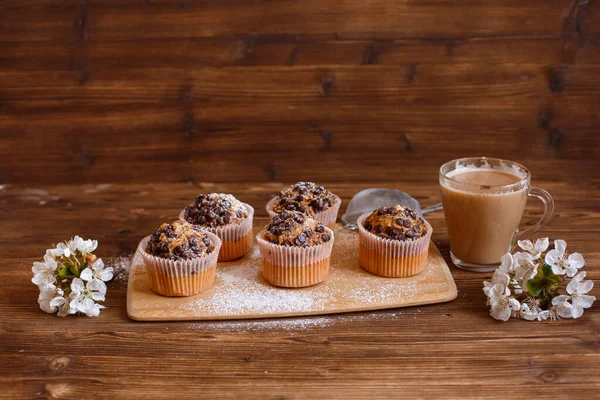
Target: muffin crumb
292 228
214 210
396 223
179 240
305 197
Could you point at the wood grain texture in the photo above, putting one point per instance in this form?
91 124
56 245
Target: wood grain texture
107 91
451 350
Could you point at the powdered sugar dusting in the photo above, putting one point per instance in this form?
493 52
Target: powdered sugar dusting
241 291
121 267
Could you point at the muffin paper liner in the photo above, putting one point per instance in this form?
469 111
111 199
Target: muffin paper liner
182 277
326 217
291 266
237 239
392 258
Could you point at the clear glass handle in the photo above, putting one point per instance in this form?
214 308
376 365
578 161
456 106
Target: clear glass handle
546 199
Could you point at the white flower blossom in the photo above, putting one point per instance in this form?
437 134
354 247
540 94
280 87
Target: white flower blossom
501 275
525 269
62 304
82 299
87 246
529 313
47 293
502 304
531 310
44 271
577 290
96 275
68 248
560 263
534 250
563 309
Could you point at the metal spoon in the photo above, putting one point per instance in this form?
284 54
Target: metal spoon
371 199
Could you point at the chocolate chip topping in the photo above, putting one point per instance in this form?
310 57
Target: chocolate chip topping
397 223
305 197
292 228
215 209
179 240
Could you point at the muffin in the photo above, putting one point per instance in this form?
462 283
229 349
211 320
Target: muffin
180 259
394 242
295 250
226 217
308 198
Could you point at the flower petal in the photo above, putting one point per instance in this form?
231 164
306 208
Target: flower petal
541 245
560 299
560 246
506 263
95 310
106 274
98 285
98 296
47 307
576 311
57 301
552 257
38 267
85 305
542 316
514 304
585 287
77 285
86 274
98 265
525 245
50 262
500 313
584 301
564 310
576 260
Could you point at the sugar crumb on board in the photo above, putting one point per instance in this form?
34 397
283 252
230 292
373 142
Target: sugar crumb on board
240 289
121 266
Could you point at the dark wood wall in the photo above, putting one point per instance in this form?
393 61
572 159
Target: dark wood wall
259 91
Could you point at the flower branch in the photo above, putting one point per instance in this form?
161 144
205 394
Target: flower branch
528 284
71 279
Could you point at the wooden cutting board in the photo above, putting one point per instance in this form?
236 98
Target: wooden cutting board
240 292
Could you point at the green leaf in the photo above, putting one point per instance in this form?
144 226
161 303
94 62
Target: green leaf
547 270
65 273
554 278
74 270
535 286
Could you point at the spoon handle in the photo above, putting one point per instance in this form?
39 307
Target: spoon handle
431 208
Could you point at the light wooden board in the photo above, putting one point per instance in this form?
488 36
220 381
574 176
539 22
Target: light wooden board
240 292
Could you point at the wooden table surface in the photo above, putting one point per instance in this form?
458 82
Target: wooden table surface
452 350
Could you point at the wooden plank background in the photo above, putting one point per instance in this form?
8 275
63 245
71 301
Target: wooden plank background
238 90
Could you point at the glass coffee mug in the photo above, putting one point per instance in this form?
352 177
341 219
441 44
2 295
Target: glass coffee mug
484 199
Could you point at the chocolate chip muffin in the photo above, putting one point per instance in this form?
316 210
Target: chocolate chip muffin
295 250
396 223
214 210
393 242
293 228
305 197
179 240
